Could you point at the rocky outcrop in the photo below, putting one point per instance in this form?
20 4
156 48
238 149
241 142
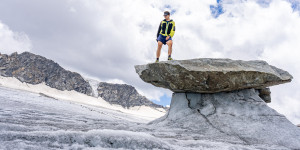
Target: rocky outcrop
212 75
221 100
124 95
35 69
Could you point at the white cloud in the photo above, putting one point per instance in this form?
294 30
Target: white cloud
72 9
13 41
248 31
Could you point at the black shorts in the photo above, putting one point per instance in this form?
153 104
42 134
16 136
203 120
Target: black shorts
163 39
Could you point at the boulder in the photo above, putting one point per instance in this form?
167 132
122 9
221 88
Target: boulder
209 75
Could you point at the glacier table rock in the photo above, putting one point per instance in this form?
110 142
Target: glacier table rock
209 75
222 99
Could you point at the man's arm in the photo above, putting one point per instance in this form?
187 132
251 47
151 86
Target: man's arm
159 28
172 30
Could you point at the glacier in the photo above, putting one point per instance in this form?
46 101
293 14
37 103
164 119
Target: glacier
34 121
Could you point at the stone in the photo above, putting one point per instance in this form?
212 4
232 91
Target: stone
239 116
124 95
265 94
35 69
209 75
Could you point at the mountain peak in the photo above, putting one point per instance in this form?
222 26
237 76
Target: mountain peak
124 95
34 69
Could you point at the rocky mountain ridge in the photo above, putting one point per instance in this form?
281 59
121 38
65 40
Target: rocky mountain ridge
124 95
34 69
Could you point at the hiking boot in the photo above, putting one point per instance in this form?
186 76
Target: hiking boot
170 58
156 61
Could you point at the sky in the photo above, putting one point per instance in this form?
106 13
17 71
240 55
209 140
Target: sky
104 39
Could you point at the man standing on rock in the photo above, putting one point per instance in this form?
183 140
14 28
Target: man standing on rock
165 33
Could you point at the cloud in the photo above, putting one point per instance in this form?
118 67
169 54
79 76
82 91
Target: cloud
13 41
248 31
105 39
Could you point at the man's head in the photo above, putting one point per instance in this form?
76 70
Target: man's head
167 15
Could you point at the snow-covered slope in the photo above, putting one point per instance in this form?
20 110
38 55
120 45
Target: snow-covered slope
143 112
32 121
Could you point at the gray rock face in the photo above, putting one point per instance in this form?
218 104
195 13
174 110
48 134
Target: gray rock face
124 95
212 75
35 69
237 117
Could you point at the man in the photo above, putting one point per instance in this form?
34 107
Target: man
165 33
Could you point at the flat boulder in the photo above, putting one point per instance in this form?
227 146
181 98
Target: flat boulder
207 75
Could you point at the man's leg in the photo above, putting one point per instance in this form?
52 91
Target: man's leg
169 43
159 46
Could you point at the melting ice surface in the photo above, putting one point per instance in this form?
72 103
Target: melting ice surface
34 121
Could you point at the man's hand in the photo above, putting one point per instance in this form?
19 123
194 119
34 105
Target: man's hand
167 38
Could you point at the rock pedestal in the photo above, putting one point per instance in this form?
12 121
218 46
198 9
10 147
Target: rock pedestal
221 100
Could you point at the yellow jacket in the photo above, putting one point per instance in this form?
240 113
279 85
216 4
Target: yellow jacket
166 29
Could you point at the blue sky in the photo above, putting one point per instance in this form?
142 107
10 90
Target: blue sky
105 39
164 100
217 9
